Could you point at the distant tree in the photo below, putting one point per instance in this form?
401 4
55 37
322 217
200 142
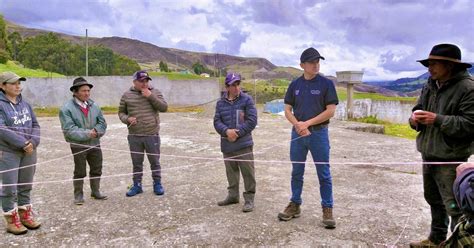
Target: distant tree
4 45
4 56
198 68
124 65
164 67
52 53
16 41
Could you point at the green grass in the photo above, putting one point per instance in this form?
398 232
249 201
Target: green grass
110 110
342 95
392 129
26 72
177 75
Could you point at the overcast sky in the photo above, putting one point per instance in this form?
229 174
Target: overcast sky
384 38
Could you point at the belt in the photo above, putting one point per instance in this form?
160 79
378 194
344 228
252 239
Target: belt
317 127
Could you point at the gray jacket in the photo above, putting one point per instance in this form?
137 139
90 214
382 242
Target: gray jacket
77 127
18 125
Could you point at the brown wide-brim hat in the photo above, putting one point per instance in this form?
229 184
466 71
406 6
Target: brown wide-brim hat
78 82
447 52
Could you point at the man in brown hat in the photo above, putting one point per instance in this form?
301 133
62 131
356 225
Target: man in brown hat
83 125
444 118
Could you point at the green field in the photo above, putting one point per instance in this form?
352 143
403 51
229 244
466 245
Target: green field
392 129
177 75
342 95
25 72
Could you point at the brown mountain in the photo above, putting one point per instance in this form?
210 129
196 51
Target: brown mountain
149 55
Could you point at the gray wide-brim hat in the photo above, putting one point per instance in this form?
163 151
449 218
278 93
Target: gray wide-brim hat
78 82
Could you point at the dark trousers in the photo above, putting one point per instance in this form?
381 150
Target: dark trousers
438 182
234 168
138 146
84 155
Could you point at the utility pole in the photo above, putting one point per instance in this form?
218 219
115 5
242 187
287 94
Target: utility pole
255 89
87 55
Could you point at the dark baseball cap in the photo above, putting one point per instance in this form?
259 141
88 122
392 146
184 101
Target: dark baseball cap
232 78
310 54
140 75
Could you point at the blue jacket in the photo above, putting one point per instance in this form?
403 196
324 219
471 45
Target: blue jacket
77 127
239 114
18 125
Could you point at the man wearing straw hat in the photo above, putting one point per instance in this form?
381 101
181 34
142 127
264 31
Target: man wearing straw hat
444 118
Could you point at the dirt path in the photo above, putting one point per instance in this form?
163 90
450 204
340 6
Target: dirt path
375 204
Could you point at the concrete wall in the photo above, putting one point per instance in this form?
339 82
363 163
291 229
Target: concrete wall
53 92
393 111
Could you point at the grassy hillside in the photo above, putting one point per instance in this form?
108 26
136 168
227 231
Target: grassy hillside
26 72
177 75
342 94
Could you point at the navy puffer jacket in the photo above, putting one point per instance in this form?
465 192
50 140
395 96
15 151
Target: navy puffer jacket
239 114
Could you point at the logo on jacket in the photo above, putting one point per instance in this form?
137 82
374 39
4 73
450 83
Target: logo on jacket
297 92
26 117
315 92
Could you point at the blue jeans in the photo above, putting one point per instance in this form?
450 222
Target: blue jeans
318 144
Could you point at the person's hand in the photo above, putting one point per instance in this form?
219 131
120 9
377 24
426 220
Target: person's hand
300 126
93 134
462 167
28 148
146 92
232 135
305 133
132 121
424 117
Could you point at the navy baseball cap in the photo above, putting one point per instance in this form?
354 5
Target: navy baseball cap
140 75
232 78
309 55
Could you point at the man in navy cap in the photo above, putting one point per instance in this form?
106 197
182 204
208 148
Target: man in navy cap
444 118
310 102
139 109
234 120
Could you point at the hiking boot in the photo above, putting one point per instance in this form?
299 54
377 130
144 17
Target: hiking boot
27 217
291 211
134 189
78 193
228 201
158 188
423 243
328 219
13 222
248 205
95 190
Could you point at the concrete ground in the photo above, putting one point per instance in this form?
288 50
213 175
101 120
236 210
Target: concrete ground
378 197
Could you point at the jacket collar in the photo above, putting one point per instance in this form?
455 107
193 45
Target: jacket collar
452 81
